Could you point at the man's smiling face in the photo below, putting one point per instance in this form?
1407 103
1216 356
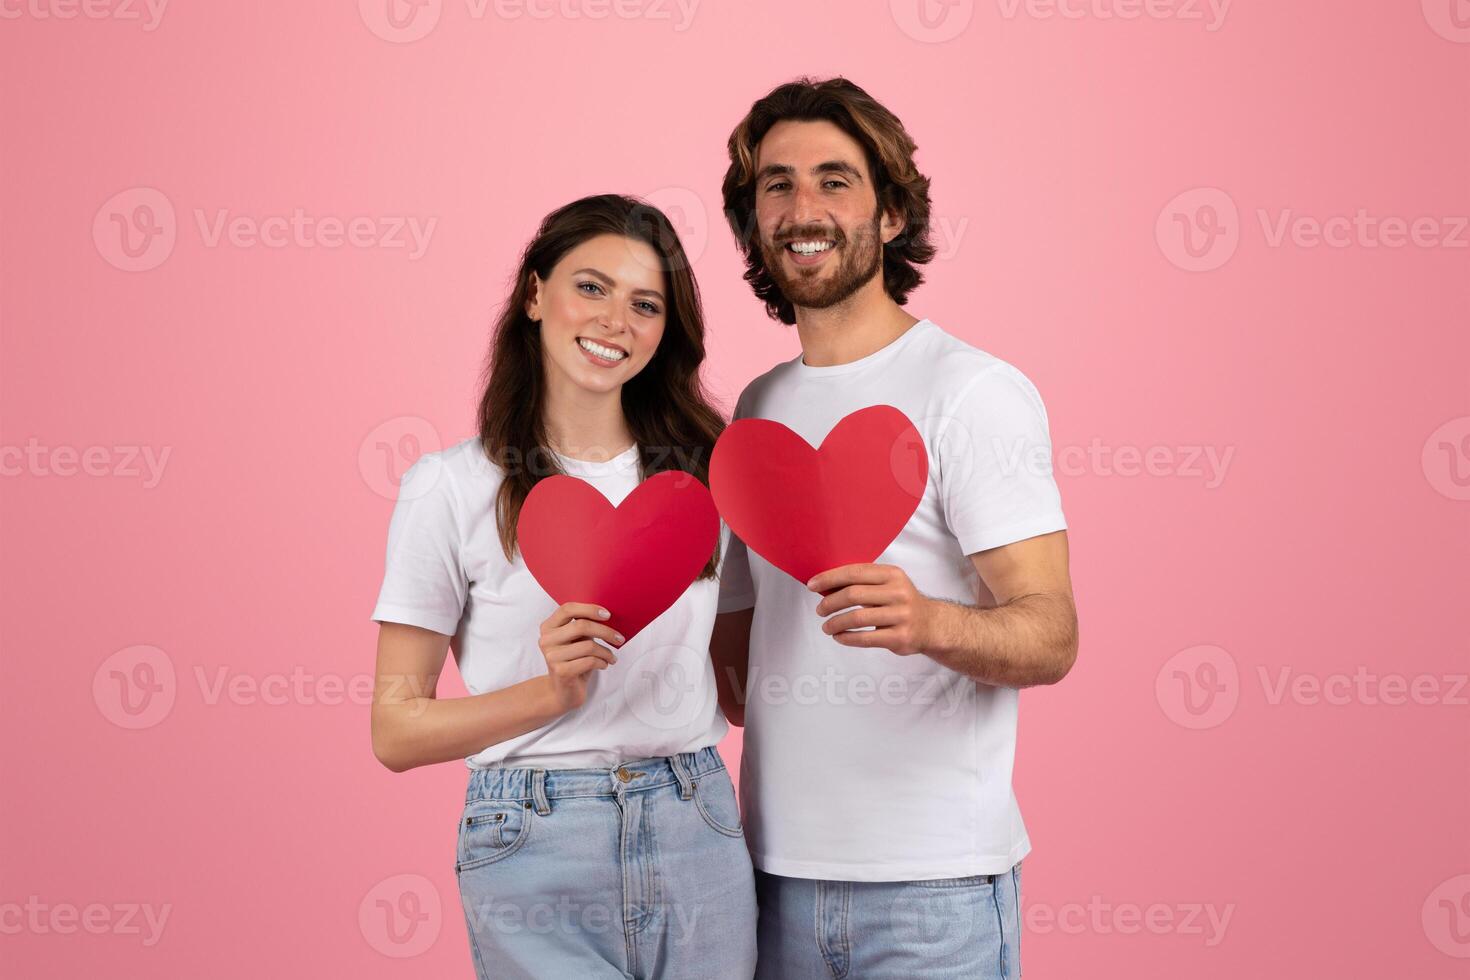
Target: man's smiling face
820 231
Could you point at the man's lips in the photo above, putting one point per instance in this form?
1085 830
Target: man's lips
811 258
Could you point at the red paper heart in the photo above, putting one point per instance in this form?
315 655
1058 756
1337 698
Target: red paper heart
807 510
635 560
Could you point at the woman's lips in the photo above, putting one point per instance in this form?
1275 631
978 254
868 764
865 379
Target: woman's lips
592 358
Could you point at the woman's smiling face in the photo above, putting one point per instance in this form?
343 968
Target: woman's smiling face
601 311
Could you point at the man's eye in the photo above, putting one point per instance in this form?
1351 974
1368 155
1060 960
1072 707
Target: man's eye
778 185
839 183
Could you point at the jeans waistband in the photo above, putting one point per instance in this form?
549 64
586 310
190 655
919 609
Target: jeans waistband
538 785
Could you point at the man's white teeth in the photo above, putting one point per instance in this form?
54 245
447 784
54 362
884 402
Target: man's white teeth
607 353
809 248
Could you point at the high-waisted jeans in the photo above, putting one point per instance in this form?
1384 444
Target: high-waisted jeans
639 871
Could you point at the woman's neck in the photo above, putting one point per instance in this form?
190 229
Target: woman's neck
586 425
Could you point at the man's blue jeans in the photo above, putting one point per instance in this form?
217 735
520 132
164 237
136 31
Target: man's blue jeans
890 930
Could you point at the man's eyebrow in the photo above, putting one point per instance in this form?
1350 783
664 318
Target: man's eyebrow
826 167
611 282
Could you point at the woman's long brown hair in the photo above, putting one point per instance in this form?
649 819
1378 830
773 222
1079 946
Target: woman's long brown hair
666 405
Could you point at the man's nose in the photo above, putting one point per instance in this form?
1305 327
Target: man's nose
807 207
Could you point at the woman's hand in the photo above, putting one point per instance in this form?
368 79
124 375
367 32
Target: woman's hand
571 655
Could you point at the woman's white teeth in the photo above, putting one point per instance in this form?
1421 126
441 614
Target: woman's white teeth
607 353
809 248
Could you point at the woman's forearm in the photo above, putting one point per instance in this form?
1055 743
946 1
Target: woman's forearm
421 731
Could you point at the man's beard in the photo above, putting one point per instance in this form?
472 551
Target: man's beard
860 258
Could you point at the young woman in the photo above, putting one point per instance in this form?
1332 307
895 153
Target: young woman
600 835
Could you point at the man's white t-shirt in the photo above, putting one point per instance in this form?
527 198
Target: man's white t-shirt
446 572
859 764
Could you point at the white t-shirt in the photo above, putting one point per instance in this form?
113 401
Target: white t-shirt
446 572
859 764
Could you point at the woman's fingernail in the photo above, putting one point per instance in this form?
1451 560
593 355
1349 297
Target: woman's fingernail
603 614
619 638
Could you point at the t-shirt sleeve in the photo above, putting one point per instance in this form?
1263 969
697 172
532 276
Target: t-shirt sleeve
424 583
996 482
737 589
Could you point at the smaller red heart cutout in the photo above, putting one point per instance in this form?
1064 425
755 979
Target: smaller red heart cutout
808 510
635 560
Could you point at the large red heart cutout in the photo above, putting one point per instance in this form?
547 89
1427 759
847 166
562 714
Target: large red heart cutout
807 510
635 560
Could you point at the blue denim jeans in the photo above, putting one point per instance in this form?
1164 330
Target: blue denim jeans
635 872
890 930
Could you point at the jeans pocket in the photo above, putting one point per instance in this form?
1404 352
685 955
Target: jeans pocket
489 831
714 797
967 881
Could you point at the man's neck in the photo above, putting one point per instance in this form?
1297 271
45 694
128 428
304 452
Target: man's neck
861 325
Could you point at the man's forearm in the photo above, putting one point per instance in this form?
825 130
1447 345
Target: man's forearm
1029 640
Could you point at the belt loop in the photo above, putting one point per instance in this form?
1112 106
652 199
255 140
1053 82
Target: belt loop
686 789
538 791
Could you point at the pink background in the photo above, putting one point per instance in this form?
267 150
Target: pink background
290 387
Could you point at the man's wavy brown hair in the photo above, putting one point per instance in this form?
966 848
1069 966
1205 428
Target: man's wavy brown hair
900 187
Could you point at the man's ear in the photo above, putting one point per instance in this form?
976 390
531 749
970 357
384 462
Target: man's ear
533 299
891 225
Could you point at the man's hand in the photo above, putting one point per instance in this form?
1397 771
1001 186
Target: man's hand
1021 632
889 600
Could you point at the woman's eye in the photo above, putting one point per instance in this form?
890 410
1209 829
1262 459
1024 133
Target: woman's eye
648 307
591 285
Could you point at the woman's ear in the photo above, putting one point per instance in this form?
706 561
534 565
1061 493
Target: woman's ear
533 299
